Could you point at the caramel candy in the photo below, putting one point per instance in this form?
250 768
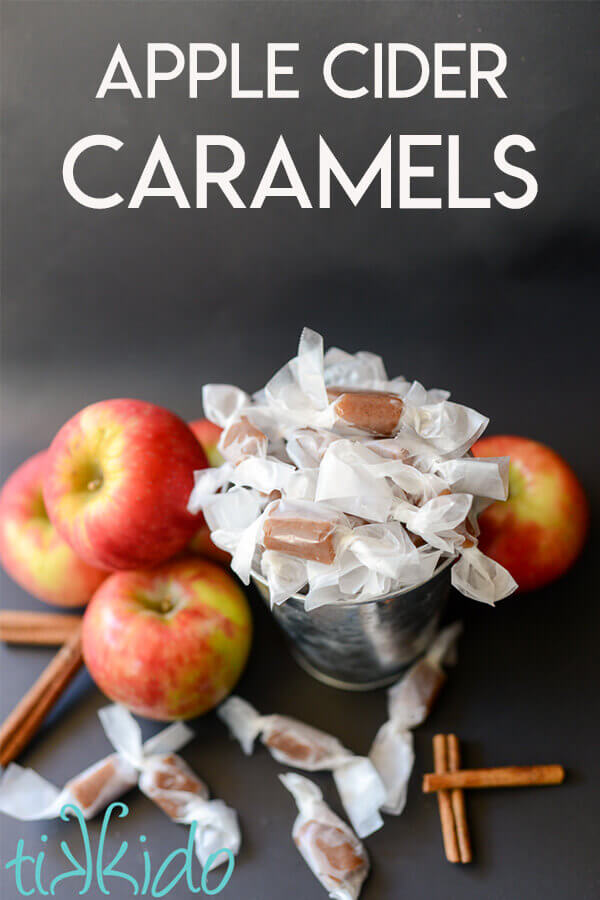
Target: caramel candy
290 741
335 851
101 783
412 698
171 784
242 439
297 744
296 530
301 537
378 412
330 848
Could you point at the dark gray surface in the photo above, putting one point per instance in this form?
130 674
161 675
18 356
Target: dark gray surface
499 306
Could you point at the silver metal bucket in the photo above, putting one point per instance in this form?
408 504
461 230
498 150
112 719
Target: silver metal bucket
360 646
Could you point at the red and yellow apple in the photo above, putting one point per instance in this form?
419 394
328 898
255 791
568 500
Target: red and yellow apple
31 550
539 532
208 434
118 480
169 643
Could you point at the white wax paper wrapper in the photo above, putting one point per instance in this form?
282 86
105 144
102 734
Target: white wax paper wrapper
414 394
362 793
329 847
349 481
359 370
392 753
437 520
233 511
306 447
310 370
172 785
409 702
449 427
293 743
354 478
207 483
481 578
223 403
27 796
125 735
235 519
285 575
269 474
297 391
487 477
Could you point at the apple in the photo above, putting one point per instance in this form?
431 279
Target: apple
31 550
208 434
539 532
168 643
118 481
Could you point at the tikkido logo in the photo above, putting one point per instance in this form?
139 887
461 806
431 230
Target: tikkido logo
28 870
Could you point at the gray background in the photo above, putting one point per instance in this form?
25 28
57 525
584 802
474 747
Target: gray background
500 306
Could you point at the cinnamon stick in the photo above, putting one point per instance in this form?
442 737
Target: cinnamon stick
440 761
504 776
42 628
457 799
27 716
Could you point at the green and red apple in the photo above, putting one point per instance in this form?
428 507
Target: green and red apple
538 533
169 643
118 480
31 550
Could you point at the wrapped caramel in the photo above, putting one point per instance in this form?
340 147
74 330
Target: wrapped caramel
242 439
295 744
170 783
303 530
330 848
27 796
376 412
409 703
